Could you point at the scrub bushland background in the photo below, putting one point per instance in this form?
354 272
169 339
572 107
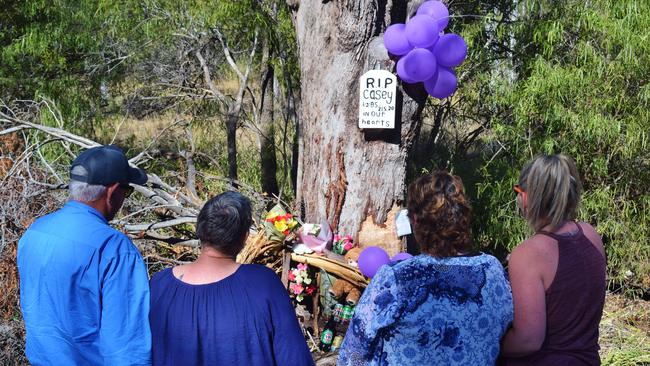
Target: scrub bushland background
542 76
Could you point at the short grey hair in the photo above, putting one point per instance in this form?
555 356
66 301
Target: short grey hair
82 191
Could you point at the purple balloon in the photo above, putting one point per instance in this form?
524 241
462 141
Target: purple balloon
443 85
402 73
371 259
400 257
450 50
395 40
422 31
419 64
436 10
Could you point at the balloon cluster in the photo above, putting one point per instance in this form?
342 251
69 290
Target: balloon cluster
426 54
372 258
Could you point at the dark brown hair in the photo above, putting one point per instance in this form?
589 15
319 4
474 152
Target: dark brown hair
440 214
224 222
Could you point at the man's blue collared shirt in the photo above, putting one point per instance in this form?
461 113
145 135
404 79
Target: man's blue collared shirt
84 291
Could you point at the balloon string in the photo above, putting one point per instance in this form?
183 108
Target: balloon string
471 16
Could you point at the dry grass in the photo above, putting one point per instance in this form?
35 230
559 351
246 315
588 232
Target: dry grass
170 128
625 332
141 131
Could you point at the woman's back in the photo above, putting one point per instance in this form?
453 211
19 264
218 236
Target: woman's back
244 319
574 305
430 311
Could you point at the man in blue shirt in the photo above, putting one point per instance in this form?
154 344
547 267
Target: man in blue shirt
84 289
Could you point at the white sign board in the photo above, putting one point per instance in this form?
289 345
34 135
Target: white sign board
377 99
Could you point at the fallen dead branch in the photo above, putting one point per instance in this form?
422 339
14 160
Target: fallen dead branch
338 269
183 207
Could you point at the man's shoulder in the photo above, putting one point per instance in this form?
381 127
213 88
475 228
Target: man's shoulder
45 220
117 243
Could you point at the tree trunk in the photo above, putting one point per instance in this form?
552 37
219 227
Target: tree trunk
268 161
355 179
234 109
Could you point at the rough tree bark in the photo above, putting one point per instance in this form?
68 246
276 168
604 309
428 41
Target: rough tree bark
355 179
268 160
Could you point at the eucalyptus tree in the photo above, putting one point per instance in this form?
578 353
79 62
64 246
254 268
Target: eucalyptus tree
349 176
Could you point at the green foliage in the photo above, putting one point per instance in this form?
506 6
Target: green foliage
63 50
558 77
98 60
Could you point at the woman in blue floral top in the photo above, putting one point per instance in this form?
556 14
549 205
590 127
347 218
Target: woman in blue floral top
447 306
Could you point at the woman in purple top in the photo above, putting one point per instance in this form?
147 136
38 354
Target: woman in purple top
215 311
557 275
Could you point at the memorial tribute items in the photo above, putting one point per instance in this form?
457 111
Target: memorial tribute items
327 336
371 259
377 99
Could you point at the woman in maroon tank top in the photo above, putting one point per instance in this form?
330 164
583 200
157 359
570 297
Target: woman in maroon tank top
557 275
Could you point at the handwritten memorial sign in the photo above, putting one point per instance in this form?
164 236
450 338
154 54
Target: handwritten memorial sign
377 99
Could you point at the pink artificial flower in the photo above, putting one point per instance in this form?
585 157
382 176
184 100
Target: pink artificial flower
297 288
337 237
348 246
291 276
302 267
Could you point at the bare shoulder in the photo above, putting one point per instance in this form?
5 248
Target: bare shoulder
593 236
535 246
536 254
180 270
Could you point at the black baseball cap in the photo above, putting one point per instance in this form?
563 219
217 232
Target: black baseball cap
105 165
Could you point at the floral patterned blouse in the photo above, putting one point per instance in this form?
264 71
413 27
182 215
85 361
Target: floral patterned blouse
431 311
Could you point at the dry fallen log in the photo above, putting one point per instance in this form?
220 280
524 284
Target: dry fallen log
182 207
336 268
259 249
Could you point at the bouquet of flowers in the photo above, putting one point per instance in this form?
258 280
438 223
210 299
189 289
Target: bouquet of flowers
278 223
341 244
300 283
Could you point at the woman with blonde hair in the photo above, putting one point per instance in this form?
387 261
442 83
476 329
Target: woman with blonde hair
558 274
449 305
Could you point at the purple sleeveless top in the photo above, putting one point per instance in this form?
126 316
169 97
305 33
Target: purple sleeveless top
574 305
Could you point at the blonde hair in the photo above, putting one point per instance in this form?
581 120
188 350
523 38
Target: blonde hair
553 190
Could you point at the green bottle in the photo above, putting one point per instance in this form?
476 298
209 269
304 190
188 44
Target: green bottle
327 336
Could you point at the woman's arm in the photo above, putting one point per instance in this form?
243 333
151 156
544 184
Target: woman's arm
378 308
529 326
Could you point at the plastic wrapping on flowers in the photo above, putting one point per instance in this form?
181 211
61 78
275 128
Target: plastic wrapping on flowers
278 223
341 244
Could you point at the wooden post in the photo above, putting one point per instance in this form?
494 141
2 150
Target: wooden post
315 304
286 265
